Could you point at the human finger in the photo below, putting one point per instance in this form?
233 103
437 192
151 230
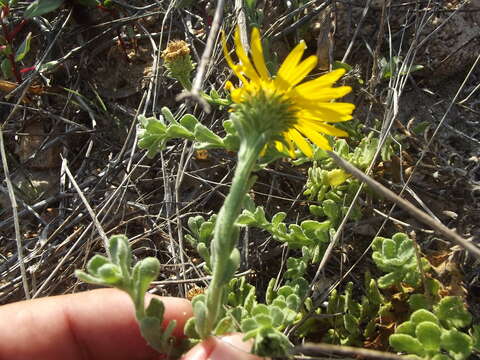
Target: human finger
97 325
231 347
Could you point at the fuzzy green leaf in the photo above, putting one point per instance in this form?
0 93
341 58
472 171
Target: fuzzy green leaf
451 311
406 343
458 344
95 263
155 308
429 333
207 138
407 328
423 315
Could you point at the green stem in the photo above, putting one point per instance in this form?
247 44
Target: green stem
185 82
225 235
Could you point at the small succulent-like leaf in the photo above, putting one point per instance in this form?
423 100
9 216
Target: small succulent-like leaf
331 209
120 252
189 122
259 215
451 311
260 309
168 115
224 326
429 333
95 263
200 312
277 316
110 274
406 343
264 320
249 325
190 329
351 324
144 272
388 280
205 233
155 308
293 302
178 131
272 343
418 301
422 315
406 327
373 293
204 252
285 291
458 344
389 249
278 218
207 138
270 292
88 278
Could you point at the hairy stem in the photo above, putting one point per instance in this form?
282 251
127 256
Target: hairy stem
225 235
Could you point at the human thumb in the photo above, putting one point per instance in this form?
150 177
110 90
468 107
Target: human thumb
230 347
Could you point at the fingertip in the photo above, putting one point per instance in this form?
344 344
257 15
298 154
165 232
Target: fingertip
231 347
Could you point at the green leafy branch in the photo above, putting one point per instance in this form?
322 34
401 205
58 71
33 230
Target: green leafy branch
117 271
310 234
201 236
155 133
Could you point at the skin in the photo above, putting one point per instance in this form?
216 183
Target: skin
97 325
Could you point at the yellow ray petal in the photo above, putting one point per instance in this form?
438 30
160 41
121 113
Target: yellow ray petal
323 95
225 51
327 112
279 146
340 107
323 81
324 116
237 69
289 144
290 62
257 54
248 68
316 138
298 73
323 128
301 143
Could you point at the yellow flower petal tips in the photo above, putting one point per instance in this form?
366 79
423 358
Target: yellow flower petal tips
282 107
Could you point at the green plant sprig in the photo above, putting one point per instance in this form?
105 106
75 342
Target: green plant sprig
311 236
155 133
396 257
116 271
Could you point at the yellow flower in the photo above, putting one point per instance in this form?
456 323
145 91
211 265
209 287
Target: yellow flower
305 109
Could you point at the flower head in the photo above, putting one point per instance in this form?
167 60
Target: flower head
288 110
175 50
178 62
